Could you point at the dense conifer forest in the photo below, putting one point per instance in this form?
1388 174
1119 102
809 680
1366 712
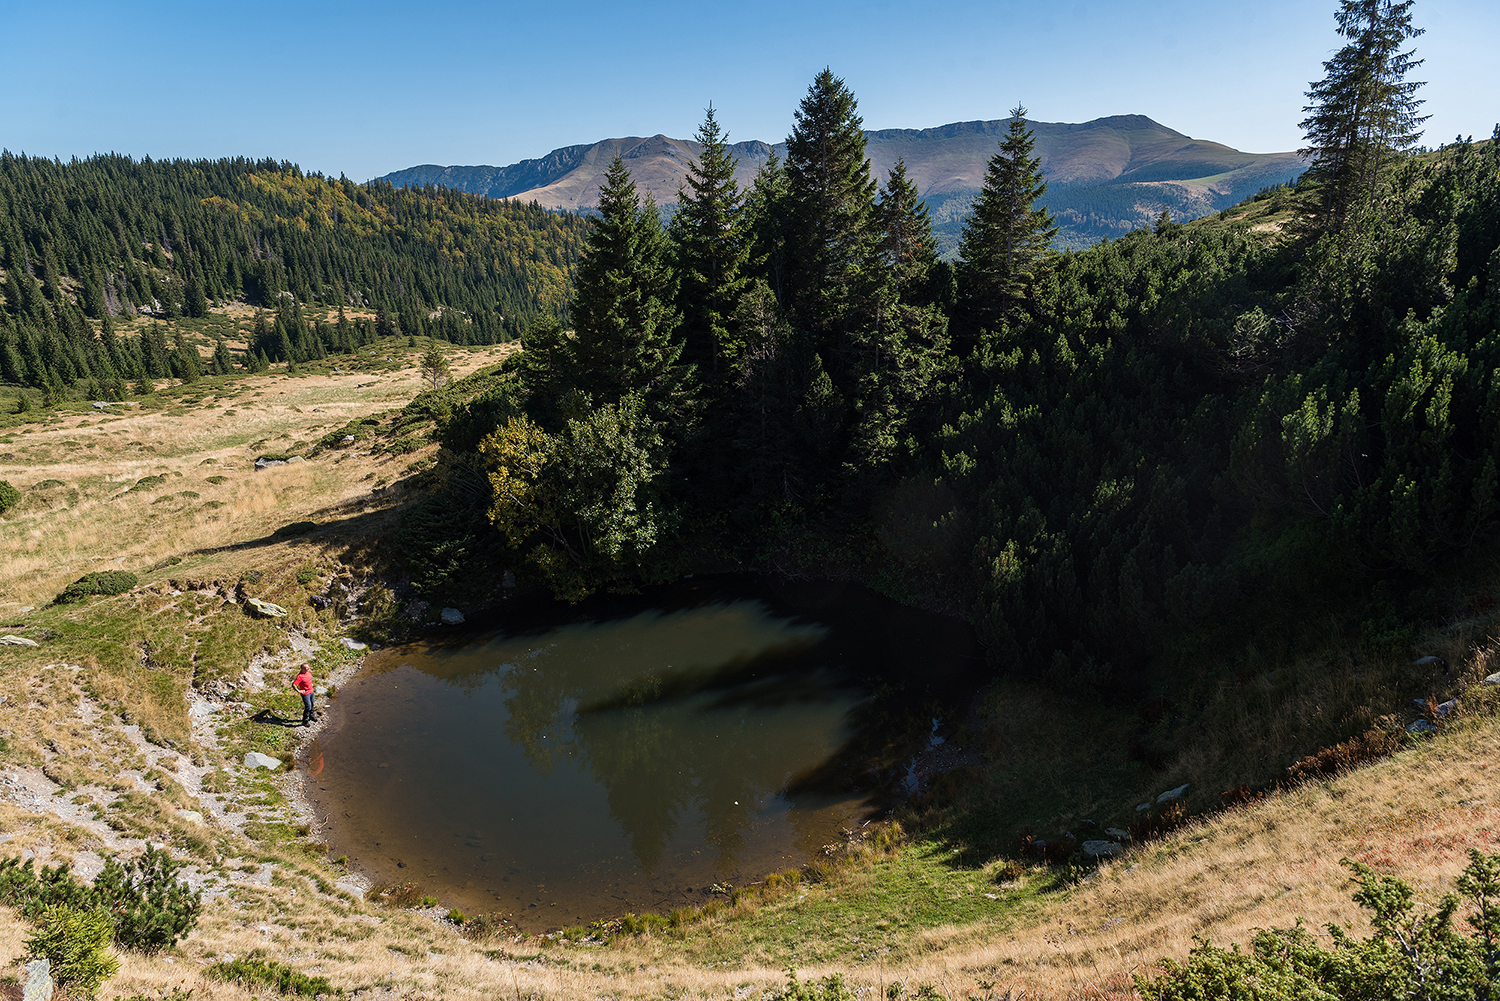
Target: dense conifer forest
1093 455
86 244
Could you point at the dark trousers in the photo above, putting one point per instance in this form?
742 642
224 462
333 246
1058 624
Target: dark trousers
307 707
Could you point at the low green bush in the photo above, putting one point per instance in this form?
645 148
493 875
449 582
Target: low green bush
9 495
76 944
105 582
1409 955
282 979
151 908
148 908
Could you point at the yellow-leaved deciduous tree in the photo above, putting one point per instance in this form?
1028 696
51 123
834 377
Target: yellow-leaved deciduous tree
590 494
518 454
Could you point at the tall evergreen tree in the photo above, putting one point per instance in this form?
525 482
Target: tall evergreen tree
831 202
1363 113
624 320
907 248
710 250
1007 240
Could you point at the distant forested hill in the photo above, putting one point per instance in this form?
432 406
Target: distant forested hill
112 236
1106 177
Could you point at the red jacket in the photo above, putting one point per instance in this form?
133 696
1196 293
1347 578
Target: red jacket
303 683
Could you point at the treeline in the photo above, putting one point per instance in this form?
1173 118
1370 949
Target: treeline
1090 452
85 243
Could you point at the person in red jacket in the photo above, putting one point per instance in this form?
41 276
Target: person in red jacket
304 684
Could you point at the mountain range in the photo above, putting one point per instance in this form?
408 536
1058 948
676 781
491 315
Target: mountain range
1105 177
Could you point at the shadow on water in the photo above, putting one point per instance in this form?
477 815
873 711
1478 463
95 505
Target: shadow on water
629 753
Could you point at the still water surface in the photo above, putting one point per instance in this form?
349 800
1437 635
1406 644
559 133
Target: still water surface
628 754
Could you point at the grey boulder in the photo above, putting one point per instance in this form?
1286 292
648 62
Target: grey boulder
1421 726
452 617
266 608
38 981
1172 795
1101 849
255 759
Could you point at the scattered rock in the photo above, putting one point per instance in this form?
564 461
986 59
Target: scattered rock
350 644
266 608
1118 834
348 439
38 981
1446 709
1493 679
1172 795
295 458
452 617
319 601
268 463
255 759
1421 726
1143 808
509 580
1430 661
353 889
1101 849
193 816
17 641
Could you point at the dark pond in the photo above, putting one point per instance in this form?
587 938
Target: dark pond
628 753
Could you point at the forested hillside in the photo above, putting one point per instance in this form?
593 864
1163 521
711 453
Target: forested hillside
1094 455
88 243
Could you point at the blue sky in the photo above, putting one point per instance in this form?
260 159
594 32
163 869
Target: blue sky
369 88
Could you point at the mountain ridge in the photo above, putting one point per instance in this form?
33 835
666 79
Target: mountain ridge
1144 165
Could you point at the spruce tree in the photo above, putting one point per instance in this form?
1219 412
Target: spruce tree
1007 240
624 320
831 202
1363 113
906 247
710 250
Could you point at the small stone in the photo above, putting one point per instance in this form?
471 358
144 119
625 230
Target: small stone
1172 795
269 609
268 463
295 458
1118 834
350 644
17 641
1101 849
255 759
1421 726
1493 679
1429 661
452 617
192 816
348 439
1446 709
38 981
1143 808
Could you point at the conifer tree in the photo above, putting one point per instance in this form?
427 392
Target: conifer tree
907 249
710 251
831 201
623 316
1007 240
1363 113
